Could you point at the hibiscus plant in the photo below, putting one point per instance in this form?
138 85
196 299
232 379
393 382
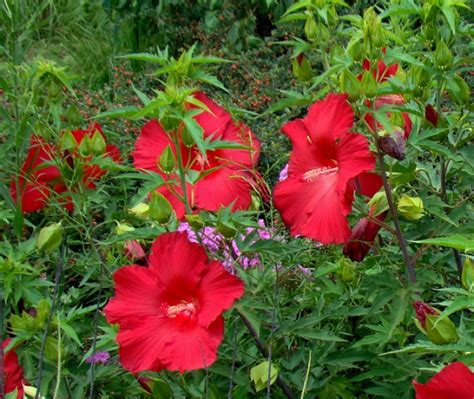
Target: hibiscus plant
162 241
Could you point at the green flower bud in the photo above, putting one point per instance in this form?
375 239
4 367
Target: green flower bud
167 161
85 148
186 137
50 237
123 228
468 274
311 28
67 141
259 375
441 332
356 51
160 208
411 207
302 68
141 210
73 116
98 144
350 85
347 270
378 203
442 55
368 85
459 90
195 221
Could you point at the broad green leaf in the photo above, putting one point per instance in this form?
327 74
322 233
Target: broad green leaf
457 241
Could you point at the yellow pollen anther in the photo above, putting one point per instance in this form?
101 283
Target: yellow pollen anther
186 309
312 174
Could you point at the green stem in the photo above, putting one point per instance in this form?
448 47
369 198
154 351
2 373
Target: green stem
182 175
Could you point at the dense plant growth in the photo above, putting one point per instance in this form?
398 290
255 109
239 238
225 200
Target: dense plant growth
236 199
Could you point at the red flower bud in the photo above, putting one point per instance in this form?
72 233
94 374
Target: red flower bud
431 115
422 309
394 145
362 238
133 250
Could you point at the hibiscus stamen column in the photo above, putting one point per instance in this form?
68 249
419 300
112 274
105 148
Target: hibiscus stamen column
388 191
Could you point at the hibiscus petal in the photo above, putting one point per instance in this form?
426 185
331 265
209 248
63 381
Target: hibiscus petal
175 259
454 381
314 209
34 195
137 296
353 157
329 119
171 343
304 156
217 292
223 187
149 146
215 122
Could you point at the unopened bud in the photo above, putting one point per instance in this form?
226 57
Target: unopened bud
368 85
98 144
50 237
195 221
123 228
302 68
133 250
356 51
311 28
442 331
141 210
350 85
431 115
468 274
67 141
394 144
411 207
85 147
167 160
160 208
347 270
186 137
442 55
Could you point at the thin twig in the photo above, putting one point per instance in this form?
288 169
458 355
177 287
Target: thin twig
96 323
261 347
388 191
57 278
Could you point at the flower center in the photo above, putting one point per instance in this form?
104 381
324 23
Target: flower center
313 174
186 309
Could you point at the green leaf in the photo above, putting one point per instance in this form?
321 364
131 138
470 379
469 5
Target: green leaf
147 57
458 304
124 112
196 132
457 241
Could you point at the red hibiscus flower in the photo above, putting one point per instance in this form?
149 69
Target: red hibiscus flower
226 175
455 381
32 188
93 172
40 179
317 196
12 371
169 313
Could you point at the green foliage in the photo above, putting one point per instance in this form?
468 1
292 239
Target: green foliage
333 328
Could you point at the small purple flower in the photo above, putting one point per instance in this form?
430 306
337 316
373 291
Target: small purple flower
98 357
283 173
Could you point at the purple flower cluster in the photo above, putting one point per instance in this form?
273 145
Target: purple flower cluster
216 244
98 357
